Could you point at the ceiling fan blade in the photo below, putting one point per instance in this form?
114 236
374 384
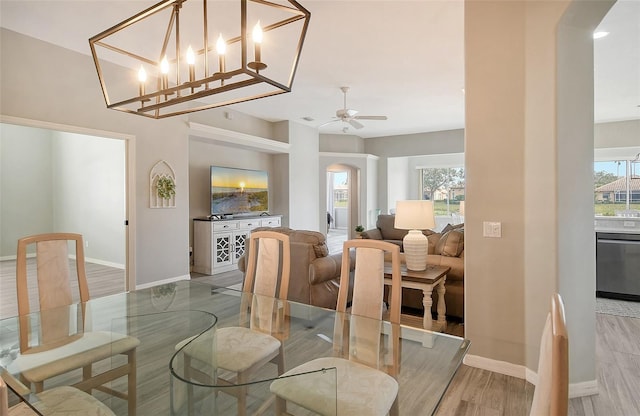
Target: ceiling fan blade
371 117
328 122
356 124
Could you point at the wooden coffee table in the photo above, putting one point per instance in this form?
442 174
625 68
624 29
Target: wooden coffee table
424 280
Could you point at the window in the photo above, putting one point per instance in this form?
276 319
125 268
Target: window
617 187
445 187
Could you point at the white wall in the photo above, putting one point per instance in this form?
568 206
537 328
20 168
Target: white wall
61 182
398 182
433 143
304 182
26 186
89 194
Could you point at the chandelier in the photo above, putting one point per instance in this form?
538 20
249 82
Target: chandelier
182 56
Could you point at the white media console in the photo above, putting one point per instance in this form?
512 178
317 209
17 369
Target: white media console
218 244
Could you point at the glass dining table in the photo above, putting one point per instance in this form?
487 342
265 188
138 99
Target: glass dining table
169 319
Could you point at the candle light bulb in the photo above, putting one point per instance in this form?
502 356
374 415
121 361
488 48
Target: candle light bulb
164 65
142 77
257 33
221 45
142 74
191 57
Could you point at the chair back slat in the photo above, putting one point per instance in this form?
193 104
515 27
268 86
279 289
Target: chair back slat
368 284
364 333
52 259
267 276
267 268
53 277
365 299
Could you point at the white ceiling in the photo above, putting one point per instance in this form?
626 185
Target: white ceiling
402 59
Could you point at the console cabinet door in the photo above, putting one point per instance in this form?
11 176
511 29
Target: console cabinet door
240 239
222 249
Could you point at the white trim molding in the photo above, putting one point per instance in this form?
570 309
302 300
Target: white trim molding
501 367
163 282
581 389
237 139
349 155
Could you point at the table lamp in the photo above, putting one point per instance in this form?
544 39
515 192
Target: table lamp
415 216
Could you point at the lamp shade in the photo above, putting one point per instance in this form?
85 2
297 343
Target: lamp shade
414 215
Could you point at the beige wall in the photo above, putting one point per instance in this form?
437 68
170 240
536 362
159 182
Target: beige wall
529 112
494 146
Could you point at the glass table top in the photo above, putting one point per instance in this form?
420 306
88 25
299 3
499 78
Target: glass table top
171 321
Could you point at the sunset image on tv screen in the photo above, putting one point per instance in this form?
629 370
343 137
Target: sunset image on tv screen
237 191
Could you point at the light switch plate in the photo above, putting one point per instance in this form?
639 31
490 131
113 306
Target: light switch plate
492 229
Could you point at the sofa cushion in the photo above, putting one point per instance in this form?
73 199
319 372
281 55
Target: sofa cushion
386 225
450 244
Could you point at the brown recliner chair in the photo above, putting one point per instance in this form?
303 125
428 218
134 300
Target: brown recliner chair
315 275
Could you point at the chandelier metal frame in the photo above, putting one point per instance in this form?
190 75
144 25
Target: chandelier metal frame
158 103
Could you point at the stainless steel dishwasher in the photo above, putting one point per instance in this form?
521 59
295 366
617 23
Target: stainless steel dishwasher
618 265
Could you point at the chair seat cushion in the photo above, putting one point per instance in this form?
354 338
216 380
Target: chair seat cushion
91 347
237 348
70 401
361 390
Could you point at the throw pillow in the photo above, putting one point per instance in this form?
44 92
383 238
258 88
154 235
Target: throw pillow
451 243
450 227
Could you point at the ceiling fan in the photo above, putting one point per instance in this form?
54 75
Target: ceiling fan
348 115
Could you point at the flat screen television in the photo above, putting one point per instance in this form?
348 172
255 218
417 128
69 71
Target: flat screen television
239 191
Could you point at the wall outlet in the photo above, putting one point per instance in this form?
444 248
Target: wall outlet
492 229
629 224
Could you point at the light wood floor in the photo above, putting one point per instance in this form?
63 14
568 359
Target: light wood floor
472 391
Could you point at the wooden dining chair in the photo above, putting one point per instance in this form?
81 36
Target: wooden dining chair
551 395
361 387
64 345
64 400
244 349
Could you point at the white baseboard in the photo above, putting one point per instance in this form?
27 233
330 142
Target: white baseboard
502 367
73 257
164 281
585 388
104 263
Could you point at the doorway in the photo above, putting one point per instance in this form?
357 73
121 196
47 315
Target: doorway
64 179
341 205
